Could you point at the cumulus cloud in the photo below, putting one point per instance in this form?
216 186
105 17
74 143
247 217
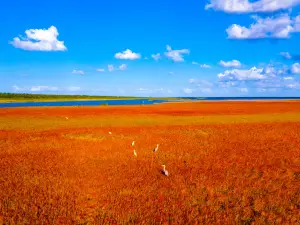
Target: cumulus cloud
277 83
269 78
39 40
205 66
201 65
289 56
127 54
100 70
206 90
202 86
110 68
188 90
143 89
73 88
244 90
17 88
288 78
230 64
240 75
80 72
156 57
246 6
295 69
123 67
176 55
201 83
286 55
270 27
153 90
43 88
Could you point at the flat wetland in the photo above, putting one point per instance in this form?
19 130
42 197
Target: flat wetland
231 162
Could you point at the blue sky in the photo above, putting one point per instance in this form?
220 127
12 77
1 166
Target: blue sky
157 48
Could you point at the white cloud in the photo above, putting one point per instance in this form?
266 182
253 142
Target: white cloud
246 6
127 54
73 88
230 64
201 65
201 83
143 89
43 88
17 88
297 23
176 55
244 90
188 90
277 83
294 85
100 70
192 81
80 72
288 78
40 40
286 55
295 68
156 57
227 84
123 67
241 75
206 90
110 68
205 66
269 78
148 90
266 90
271 27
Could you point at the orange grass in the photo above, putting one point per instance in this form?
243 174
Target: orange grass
227 163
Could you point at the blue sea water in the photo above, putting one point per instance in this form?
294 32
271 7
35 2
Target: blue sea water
133 101
81 103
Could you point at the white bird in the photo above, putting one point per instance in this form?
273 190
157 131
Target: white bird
109 132
67 118
156 148
164 171
132 144
134 152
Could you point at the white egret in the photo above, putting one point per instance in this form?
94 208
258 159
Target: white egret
67 118
164 171
132 144
109 132
156 148
134 152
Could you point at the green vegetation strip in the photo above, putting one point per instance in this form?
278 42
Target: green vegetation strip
10 97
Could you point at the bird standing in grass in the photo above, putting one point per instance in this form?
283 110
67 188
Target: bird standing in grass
156 148
132 144
67 118
134 153
164 171
109 132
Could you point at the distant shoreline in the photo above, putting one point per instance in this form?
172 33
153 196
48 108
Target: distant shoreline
61 100
166 99
6 98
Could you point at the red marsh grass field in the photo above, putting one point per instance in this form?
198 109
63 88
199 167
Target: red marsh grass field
228 163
